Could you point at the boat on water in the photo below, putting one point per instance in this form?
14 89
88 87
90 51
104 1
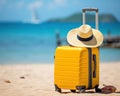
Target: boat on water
34 19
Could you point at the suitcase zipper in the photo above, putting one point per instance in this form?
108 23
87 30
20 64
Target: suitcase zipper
89 68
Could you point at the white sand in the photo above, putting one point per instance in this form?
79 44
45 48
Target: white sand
37 80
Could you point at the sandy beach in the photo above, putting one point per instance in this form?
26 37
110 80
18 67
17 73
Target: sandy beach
37 80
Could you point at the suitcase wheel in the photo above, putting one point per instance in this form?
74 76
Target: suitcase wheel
98 90
57 89
73 91
81 89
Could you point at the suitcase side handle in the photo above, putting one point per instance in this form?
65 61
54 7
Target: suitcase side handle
96 16
95 63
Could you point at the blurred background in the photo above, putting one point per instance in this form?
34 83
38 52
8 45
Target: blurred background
30 30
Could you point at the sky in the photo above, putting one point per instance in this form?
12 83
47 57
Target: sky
20 10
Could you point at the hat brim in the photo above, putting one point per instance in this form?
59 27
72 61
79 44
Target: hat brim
94 42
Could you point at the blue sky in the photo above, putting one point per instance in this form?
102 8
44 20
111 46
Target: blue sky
20 10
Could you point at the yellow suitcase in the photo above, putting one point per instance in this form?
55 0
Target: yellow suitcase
76 68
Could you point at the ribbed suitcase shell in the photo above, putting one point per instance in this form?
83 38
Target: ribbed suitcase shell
72 67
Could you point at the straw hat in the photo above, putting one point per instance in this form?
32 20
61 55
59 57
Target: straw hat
85 36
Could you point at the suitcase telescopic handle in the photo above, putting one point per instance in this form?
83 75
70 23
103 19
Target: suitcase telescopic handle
96 16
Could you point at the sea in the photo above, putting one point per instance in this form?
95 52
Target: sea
26 43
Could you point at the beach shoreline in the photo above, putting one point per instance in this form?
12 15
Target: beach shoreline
38 79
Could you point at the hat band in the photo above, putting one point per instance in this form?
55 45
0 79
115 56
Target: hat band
84 39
